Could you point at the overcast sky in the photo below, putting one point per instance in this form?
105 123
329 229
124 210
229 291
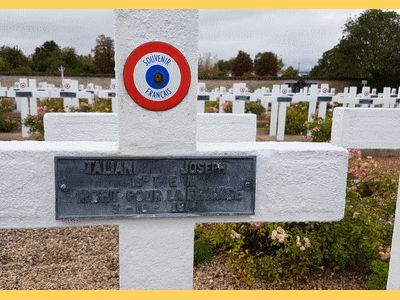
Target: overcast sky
299 37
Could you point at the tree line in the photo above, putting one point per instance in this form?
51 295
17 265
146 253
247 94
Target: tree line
49 57
265 64
369 49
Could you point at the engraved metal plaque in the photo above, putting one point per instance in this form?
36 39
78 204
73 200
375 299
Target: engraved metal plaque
203 97
67 95
397 100
112 94
324 99
366 101
284 99
23 94
244 98
130 187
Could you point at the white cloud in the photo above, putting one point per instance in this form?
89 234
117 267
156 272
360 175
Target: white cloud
29 29
297 36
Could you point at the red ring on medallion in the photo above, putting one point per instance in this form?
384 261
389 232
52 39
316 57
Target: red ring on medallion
174 53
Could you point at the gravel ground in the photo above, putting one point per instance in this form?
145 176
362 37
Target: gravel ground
86 258
81 258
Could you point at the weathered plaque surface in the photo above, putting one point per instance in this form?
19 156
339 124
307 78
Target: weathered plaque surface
112 94
284 99
203 97
244 98
23 94
67 95
130 187
366 101
324 98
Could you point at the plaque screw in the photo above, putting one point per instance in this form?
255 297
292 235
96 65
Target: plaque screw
63 187
247 184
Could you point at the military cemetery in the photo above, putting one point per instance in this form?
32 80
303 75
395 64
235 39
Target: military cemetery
171 154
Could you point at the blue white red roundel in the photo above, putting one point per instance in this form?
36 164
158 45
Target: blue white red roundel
157 76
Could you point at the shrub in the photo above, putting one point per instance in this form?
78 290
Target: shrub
102 105
211 106
320 129
378 281
279 251
52 104
296 117
6 125
35 124
202 252
227 107
254 107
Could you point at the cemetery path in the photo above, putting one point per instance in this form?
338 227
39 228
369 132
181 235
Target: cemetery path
263 136
14 136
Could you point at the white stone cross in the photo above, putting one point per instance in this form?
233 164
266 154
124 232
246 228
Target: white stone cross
295 182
